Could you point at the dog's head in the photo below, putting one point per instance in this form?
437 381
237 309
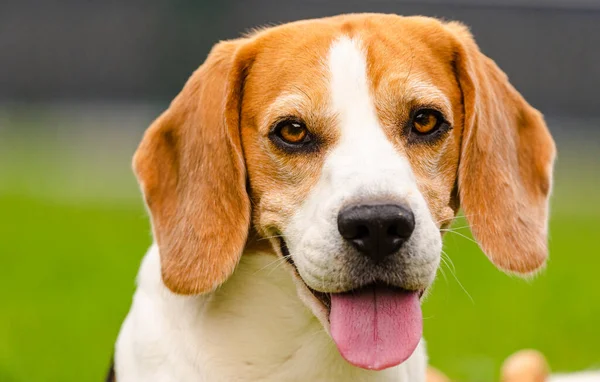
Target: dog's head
349 143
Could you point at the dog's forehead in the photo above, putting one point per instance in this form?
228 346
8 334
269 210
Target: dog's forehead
405 59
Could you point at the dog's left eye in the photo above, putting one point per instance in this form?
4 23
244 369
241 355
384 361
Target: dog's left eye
291 134
427 121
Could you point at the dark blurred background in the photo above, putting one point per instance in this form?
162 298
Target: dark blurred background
144 50
81 80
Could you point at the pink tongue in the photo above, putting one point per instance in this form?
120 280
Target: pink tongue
376 327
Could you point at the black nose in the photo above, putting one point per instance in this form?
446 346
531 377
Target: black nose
377 230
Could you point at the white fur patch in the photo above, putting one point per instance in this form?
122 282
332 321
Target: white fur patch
363 167
589 376
253 328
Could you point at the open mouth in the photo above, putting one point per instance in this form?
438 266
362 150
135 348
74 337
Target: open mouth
324 298
374 327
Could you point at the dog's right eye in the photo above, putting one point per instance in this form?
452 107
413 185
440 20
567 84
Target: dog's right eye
427 121
291 134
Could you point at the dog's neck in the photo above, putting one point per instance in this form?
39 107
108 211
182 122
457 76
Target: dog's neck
253 328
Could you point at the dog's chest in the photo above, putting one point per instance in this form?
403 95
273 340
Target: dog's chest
254 328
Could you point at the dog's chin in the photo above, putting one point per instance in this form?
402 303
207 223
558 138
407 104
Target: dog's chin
353 318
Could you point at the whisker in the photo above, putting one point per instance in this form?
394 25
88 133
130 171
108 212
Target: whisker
457 217
452 228
281 262
463 235
270 237
442 270
278 260
458 281
449 262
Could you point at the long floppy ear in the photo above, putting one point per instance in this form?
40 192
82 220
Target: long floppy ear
191 170
507 157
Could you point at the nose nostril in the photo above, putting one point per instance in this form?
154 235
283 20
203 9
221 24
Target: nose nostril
393 230
362 231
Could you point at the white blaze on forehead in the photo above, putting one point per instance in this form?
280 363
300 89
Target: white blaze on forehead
363 144
349 87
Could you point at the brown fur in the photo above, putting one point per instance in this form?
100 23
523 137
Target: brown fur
196 160
505 171
192 173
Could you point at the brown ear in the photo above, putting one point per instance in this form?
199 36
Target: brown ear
191 170
507 156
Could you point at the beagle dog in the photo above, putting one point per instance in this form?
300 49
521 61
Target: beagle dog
299 187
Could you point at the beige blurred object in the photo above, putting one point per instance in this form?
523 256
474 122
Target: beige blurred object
525 366
434 375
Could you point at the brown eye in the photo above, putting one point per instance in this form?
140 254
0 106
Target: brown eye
291 134
427 121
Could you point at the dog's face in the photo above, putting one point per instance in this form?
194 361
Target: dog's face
352 164
348 143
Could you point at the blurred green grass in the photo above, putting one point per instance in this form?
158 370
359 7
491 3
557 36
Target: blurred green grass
69 253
